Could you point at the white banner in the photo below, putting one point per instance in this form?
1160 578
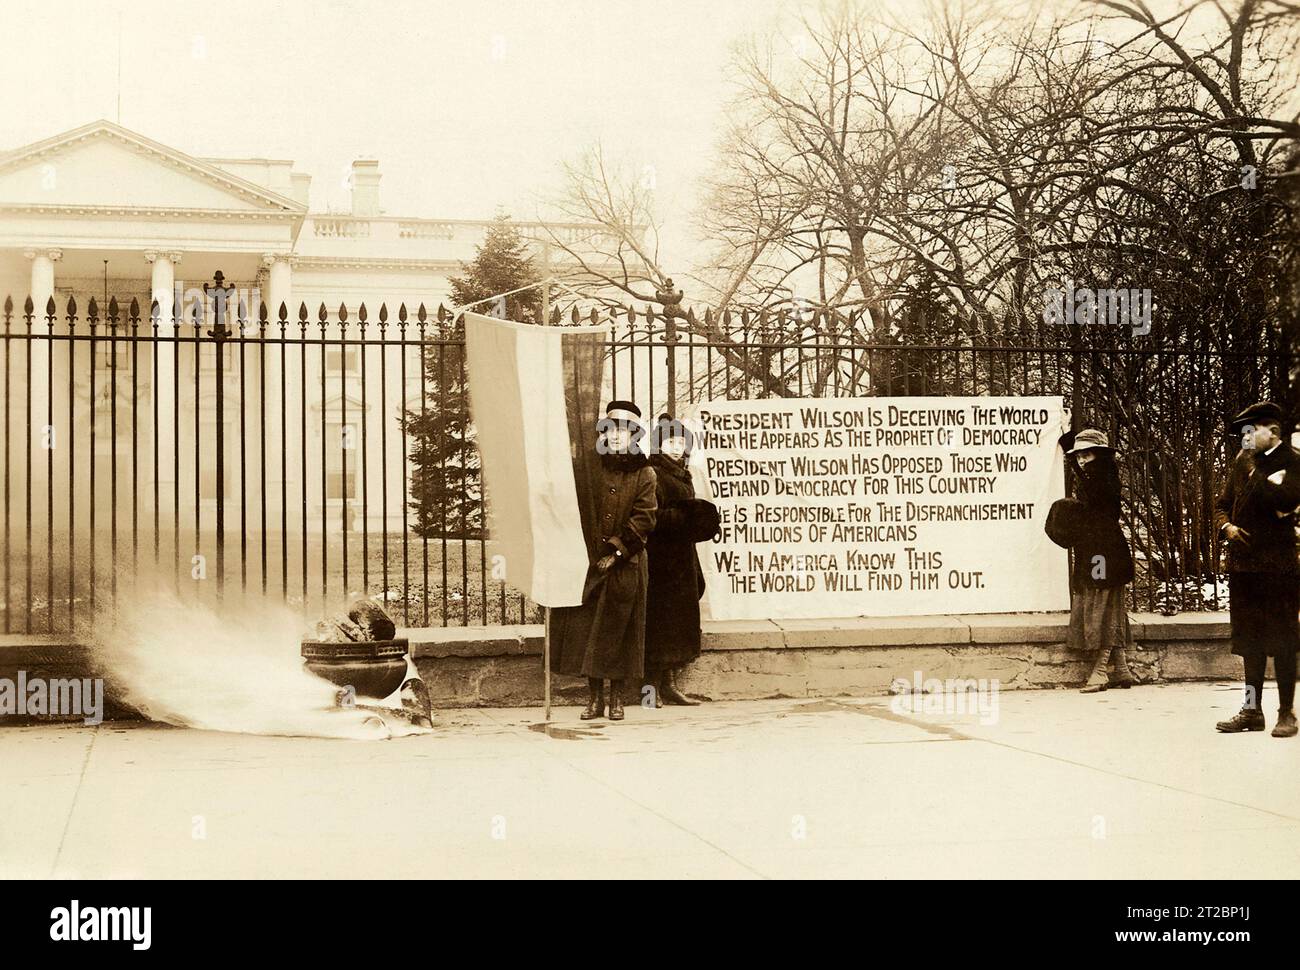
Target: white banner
883 506
517 394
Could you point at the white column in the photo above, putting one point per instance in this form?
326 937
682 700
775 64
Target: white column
279 285
162 286
43 438
42 287
162 289
279 289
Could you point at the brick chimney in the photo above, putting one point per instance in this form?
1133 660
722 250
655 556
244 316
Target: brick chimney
365 187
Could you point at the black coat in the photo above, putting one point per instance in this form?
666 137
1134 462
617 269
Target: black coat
1102 558
672 635
1251 502
605 636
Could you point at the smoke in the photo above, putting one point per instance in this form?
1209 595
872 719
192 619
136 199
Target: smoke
235 667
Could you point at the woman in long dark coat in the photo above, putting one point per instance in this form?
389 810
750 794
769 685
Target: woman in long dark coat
604 638
1103 566
672 637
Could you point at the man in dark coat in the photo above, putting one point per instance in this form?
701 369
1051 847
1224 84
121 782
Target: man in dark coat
672 637
604 638
1254 514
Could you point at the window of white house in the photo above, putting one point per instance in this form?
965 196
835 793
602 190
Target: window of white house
342 440
337 357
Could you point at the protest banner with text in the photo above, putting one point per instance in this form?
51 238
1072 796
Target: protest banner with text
880 506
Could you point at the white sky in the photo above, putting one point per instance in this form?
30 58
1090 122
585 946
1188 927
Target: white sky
468 106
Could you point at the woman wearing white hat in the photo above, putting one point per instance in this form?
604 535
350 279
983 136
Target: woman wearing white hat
1103 566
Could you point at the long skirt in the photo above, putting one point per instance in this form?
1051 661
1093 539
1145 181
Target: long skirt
605 636
1264 610
1099 620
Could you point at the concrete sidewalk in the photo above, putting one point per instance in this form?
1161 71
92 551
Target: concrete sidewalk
1123 784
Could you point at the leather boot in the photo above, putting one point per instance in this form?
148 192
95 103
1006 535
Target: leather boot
616 700
1286 725
1121 676
1246 719
668 688
652 682
595 700
1097 679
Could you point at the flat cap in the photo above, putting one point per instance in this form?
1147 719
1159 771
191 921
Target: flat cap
1264 412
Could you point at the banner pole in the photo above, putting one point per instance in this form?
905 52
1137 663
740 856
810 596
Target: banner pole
546 664
546 637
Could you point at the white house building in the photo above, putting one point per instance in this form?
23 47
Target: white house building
104 212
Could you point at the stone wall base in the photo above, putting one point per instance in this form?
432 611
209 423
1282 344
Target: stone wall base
502 666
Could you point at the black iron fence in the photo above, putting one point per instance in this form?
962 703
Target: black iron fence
214 452
312 456
1163 397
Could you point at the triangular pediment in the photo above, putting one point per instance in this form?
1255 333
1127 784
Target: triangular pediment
103 165
334 406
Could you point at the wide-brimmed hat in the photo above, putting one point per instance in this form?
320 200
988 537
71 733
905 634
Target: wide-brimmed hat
1263 412
1089 439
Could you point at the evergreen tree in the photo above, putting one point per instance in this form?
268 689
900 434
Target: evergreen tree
446 491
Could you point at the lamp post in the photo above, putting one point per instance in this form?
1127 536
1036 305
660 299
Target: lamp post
219 333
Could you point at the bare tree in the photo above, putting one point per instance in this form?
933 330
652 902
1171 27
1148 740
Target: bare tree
910 186
618 258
